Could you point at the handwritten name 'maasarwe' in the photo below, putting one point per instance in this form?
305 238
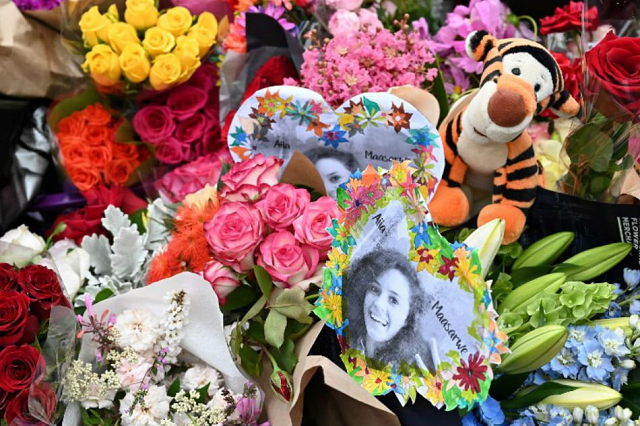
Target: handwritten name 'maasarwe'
369 155
462 348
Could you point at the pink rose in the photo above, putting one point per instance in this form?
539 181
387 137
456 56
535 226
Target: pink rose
286 260
206 76
369 19
311 227
173 152
191 129
344 4
282 204
249 179
193 176
344 23
154 123
184 101
233 234
222 279
196 7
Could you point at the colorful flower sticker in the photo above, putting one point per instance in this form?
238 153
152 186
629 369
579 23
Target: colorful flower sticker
411 310
372 128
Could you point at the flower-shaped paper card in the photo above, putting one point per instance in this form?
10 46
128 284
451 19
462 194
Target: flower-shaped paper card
372 128
412 312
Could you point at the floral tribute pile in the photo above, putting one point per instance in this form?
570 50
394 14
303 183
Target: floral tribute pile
154 182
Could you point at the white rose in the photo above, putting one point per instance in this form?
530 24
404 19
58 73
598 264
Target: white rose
71 262
154 409
138 328
21 246
96 397
198 376
131 374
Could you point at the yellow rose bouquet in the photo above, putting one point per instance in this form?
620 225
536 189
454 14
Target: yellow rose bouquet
143 47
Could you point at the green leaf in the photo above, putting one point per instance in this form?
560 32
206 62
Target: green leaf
631 398
274 328
371 107
255 309
440 92
72 104
242 296
256 331
285 356
58 229
225 169
291 303
524 275
536 395
203 393
504 386
264 280
174 388
137 218
104 294
250 360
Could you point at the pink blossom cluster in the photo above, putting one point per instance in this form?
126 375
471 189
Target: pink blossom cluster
193 176
367 61
274 225
183 123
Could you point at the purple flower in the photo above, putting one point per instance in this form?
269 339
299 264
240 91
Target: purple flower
276 12
37 4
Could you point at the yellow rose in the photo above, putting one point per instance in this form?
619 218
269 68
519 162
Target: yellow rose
205 32
158 41
134 63
208 21
122 34
103 65
94 27
177 20
165 71
142 14
187 52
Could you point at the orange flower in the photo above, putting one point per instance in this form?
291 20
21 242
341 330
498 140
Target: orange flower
73 125
164 265
234 40
97 135
96 115
73 153
125 151
118 171
99 156
83 175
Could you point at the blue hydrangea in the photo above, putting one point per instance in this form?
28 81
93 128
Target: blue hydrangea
491 412
524 421
620 378
560 416
631 277
564 364
470 420
613 311
634 308
613 342
598 364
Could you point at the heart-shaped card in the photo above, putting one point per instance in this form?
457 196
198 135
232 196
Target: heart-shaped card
412 312
372 128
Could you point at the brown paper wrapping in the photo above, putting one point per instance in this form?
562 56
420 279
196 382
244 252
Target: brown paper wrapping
335 395
421 100
301 171
33 61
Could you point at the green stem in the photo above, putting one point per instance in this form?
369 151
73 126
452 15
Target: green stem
533 23
629 300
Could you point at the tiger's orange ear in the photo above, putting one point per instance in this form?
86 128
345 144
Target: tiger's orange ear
479 43
566 106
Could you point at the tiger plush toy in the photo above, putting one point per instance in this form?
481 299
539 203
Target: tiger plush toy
486 144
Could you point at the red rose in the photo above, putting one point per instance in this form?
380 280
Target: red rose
42 286
613 68
186 101
572 74
271 73
19 367
8 276
17 326
154 123
43 405
115 195
569 18
191 129
4 399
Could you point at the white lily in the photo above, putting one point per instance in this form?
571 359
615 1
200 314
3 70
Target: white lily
487 239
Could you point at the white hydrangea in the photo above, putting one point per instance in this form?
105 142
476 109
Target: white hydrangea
151 412
138 328
131 374
199 375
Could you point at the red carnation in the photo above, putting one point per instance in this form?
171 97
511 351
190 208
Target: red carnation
23 412
20 366
17 325
569 18
8 277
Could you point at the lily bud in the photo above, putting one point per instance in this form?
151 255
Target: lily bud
534 349
634 322
545 251
578 414
613 323
487 239
622 414
585 394
628 364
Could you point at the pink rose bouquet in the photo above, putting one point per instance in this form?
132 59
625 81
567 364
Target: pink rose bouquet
183 123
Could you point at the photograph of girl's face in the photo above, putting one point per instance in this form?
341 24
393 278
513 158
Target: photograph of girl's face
333 173
386 306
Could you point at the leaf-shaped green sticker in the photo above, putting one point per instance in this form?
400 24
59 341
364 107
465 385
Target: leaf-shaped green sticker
371 107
